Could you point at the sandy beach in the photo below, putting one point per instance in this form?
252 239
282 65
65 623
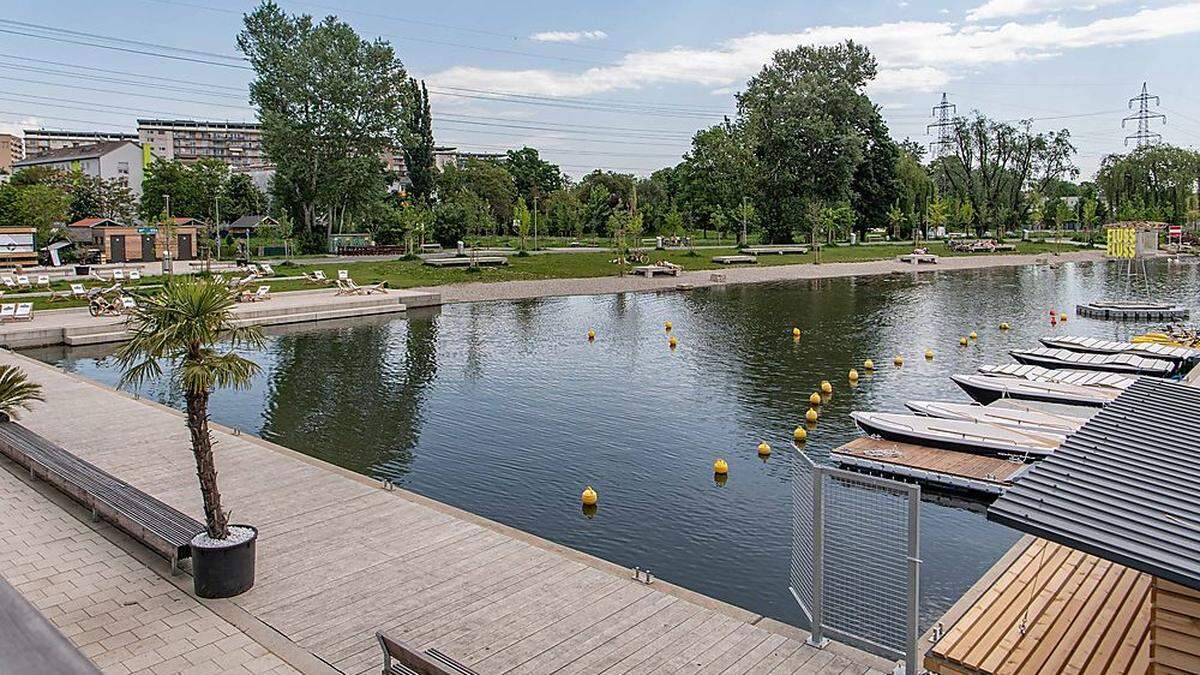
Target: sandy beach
517 290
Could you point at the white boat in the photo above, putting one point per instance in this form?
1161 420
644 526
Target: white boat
1088 345
1113 363
1083 378
985 389
1025 420
982 439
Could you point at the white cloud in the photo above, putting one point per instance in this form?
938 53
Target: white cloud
568 35
1002 9
912 55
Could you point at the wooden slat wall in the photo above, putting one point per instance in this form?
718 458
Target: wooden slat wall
1174 629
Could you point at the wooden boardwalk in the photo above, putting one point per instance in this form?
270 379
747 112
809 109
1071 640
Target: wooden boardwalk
1053 610
945 468
339 558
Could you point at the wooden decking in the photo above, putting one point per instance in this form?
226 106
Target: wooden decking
1053 610
945 468
339 557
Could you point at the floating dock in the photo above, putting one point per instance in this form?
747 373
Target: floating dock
1125 311
940 468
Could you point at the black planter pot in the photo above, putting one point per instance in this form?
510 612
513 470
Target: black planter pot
226 571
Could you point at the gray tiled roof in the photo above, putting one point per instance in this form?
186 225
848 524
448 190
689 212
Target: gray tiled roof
1125 487
69 154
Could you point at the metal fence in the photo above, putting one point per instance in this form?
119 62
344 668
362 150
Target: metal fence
854 567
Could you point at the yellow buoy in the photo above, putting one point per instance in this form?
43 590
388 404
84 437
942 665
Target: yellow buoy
963 341
811 415
667 325
974 335
589 496
799 435
591 335
1062 316
929 353
763 448
815 398
853 375
898 360
796 333
673 342
720 467
826 388
1004 325
868 365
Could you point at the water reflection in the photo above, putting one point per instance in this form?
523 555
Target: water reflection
507 410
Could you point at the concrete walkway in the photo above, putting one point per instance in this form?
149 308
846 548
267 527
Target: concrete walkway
340 557
113 607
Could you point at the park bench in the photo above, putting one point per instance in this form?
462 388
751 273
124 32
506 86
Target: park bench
465 261
162 528
777 249
734 259
402 659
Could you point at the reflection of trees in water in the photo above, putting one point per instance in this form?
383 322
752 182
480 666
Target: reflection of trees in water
351 396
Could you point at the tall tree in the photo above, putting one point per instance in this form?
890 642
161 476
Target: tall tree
1161 178
417 141
96 197
715 175
876 186
533 176
330 104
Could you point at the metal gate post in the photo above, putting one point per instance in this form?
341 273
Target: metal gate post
816 636
912 634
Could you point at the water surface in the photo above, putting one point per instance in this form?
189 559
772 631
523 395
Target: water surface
506 410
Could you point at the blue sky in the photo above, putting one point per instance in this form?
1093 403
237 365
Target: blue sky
621 86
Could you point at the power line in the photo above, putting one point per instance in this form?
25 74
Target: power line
1144 137
23 57
123 49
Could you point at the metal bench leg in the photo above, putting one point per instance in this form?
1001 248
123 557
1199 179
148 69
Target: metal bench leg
174 564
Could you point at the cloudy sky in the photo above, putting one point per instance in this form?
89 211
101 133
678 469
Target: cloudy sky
617 85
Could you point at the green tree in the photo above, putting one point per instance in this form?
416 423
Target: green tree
241 197
417 141
937 214
1158 178
523 219
533 177
331 105
715 175
563 213
189 326
16 391
43 208
597 208
896 220
876 186
95 197
805 116
488 181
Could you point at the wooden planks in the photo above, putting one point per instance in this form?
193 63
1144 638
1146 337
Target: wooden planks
1175 628
340 558
945 468
1054 610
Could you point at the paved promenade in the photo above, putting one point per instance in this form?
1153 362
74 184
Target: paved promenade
340 557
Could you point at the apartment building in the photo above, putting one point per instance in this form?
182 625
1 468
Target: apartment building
112 160
12 150
238 144
41 141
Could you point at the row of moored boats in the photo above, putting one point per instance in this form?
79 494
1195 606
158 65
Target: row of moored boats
1027 409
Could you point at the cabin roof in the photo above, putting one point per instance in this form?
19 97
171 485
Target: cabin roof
1125 487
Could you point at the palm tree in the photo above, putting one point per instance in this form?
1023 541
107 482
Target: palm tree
16 391
182 326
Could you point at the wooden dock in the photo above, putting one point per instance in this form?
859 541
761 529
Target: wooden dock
340 556
932 466
1050 609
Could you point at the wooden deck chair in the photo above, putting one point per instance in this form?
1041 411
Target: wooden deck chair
7 311
344 288
118 275
343 275
24 312
23 282
263 293
135 275
8 281
368 289
43 281
316 277
128 304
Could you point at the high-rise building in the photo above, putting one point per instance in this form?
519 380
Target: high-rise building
12 150
238 144
41 141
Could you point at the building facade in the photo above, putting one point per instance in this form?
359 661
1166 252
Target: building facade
41 141
113 160
237 144
12 150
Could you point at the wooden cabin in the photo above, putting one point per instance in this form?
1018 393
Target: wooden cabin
17 246
119 242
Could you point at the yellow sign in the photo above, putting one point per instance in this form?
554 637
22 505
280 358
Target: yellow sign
1122 242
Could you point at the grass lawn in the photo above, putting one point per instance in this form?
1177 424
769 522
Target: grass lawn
412 273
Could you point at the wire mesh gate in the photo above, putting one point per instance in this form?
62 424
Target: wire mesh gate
854 567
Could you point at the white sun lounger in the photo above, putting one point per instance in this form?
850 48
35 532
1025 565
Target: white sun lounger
343 275
128 304
8 281
263 293
135 275
24 312
23 281
118 275
43 281
7 311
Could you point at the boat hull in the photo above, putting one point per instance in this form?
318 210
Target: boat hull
977 448
988 394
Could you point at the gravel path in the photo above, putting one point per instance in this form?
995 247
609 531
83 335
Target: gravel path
516 290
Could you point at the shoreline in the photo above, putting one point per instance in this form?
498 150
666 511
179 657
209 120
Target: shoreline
479 291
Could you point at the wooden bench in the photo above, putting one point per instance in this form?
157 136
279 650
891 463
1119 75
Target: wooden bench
161 527
651 270
402 659
918 258
780 249
734 259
